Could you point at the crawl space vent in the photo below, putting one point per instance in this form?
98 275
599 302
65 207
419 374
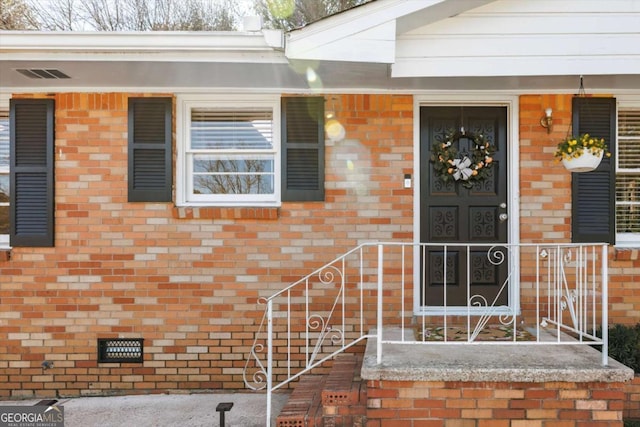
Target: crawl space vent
125 350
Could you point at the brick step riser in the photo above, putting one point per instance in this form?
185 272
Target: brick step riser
336 399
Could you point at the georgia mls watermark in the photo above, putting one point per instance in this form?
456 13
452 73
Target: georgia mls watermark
32 416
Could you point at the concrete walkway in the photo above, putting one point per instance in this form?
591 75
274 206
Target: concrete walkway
170 410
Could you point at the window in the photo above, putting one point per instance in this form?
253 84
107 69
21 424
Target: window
249 150
228 151
628 176
4 178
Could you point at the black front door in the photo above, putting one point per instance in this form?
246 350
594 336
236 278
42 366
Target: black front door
463 211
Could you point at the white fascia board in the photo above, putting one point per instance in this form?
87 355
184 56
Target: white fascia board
373 21
512 66
152 45
376 44
169 56
274 38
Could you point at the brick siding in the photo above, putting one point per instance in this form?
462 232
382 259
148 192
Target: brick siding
545 200
184 279
187 280
632 400
493 404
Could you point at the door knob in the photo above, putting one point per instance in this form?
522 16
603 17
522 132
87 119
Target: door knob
503 217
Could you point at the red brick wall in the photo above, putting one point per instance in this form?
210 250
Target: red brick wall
632 401
545 189
545 186
495 404
184 279
545 196
187 279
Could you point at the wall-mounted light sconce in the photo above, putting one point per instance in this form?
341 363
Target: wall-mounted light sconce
330 109
547 121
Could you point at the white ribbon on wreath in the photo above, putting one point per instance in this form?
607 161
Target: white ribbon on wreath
462 169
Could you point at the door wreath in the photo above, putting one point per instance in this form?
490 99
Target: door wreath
450 164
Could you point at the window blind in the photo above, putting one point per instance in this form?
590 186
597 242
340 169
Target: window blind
4 140
231 130
628 172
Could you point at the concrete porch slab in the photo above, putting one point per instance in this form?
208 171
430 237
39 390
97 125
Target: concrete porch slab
519 362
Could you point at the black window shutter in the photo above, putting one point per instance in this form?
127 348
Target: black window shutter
303 149
150 172
31 172
593 193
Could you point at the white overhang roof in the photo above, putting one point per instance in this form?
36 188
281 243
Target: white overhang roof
162 45
397 45
144 59
480 38
368 33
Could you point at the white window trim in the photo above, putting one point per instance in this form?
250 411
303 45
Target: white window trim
184 104
4 105
628 240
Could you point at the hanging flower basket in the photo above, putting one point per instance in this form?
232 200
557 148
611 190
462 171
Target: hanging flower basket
582 153
585 162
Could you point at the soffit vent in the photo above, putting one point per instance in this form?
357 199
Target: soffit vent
39 73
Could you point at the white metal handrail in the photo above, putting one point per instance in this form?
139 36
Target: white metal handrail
561 294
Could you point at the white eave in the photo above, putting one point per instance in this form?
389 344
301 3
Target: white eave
479 38
264 45
368 33
384 45
516 38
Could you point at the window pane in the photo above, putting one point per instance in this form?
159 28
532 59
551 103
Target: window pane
629 153
232 164
238 130
629 123
4 140
4 204
628 203
628 173
4 173
628 188
233 175
629 139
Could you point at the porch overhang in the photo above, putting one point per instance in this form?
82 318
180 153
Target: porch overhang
162 45
386 45
508 41
143 60
368 33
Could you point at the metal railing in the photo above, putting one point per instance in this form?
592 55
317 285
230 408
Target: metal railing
529 293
